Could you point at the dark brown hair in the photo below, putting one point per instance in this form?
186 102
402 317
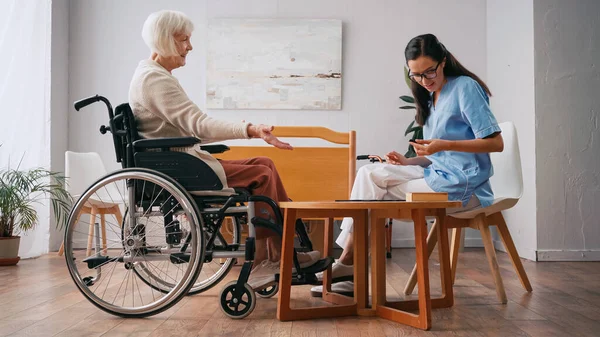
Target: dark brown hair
429 45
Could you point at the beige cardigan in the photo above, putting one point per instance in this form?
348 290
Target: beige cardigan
162 109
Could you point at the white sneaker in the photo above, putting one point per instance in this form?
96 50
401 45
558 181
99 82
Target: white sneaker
339 272
313 256
263 275
345 288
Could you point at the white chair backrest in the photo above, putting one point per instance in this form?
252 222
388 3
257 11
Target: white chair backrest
507 181
82 170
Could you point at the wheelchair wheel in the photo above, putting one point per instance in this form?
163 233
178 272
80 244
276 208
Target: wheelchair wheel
234 305
215 271
120 263
269 291
212 272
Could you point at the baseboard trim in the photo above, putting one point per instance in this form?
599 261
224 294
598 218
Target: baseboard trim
410 243
528 254
569 255
403 243
473 242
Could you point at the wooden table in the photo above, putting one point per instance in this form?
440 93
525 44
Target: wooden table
375 214
347 306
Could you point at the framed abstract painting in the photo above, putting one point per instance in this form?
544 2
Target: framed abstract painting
274 64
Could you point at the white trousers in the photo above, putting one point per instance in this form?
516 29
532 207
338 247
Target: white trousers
383 182
388 182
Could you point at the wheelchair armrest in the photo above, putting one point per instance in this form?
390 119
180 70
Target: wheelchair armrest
218 148
158 143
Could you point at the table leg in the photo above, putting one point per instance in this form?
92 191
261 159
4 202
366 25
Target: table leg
284 310
328 251
287 260
377 261
361 277
396 310
422 268
445 269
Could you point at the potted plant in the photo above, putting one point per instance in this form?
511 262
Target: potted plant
416 130
20 190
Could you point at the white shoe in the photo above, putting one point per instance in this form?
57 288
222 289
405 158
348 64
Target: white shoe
263 275
345 288
314 256
339 272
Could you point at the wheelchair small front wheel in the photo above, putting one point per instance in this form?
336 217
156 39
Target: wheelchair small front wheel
237 305
269 291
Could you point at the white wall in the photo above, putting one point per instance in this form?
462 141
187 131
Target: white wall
59 98
24 100
510 69
567 100
106 45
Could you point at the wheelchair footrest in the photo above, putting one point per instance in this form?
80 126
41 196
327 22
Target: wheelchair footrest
307 275
319 266
95 261
178 258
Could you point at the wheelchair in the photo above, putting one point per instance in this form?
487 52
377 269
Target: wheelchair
167 240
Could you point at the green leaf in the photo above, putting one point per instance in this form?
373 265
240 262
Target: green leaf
414 129
407 107
409 127
407 99
419 133
411 152
21 190
406 78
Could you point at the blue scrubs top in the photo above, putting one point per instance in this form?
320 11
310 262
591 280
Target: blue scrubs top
462 112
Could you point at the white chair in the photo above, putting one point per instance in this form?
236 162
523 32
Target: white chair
507 185
81 171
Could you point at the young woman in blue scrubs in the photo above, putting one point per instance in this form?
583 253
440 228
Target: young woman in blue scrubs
459 132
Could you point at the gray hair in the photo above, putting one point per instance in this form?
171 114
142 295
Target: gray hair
159 30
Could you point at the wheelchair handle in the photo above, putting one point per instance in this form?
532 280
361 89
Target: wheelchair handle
371 158
93 99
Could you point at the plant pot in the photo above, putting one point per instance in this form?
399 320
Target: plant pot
9 251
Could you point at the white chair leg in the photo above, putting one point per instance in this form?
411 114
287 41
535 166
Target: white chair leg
455 247
103 230
93 213
490 253
61 250
512 250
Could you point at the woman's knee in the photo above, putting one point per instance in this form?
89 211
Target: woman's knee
367 170
263 173
266 161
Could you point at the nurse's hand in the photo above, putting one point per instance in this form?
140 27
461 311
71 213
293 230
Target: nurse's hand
426 147
395 158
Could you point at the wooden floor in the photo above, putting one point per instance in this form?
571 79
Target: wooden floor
38 298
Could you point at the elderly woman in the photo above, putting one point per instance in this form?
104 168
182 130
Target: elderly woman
163 109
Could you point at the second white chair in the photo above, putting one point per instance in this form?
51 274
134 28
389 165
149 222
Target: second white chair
507 184
81 170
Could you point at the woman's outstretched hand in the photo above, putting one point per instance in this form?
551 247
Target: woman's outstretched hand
426 147
395 158
264 132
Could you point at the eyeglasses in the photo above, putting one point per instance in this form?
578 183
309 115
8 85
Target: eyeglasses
429 74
